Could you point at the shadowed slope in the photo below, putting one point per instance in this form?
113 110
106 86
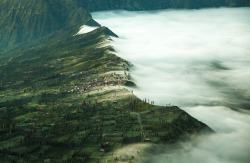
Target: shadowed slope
36 64
24 20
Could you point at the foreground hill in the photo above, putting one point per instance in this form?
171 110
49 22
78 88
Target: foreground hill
65 100
63 96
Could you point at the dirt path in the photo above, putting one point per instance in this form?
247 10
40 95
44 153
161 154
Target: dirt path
139 118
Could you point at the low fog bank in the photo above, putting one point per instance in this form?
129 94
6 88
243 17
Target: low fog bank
198 60
186 57
231 143
216 148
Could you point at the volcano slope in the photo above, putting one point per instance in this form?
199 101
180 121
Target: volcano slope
65 99
63 96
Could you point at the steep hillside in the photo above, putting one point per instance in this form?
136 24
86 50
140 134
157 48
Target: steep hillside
63 100
26 20
62 96
68 54
23 21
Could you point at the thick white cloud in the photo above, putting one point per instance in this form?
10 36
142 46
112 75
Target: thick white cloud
198 60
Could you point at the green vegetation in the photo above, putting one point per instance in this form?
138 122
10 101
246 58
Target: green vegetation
27 20
65 101
63 97
23 21
85 127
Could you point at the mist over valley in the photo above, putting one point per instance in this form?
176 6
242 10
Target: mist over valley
115 81
198 60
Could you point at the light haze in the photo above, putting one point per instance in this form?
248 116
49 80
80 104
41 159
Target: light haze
198 60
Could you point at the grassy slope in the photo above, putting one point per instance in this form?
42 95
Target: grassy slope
40 118
22 21
26 20
67 54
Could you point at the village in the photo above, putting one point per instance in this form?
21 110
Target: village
94 114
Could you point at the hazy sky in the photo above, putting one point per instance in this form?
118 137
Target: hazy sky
198 60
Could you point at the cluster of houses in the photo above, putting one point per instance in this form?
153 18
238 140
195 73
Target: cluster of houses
96 82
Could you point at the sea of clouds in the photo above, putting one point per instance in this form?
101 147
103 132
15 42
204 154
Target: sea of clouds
198 60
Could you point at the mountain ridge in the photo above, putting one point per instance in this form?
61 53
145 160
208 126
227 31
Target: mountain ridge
63 96
23 21
135 5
